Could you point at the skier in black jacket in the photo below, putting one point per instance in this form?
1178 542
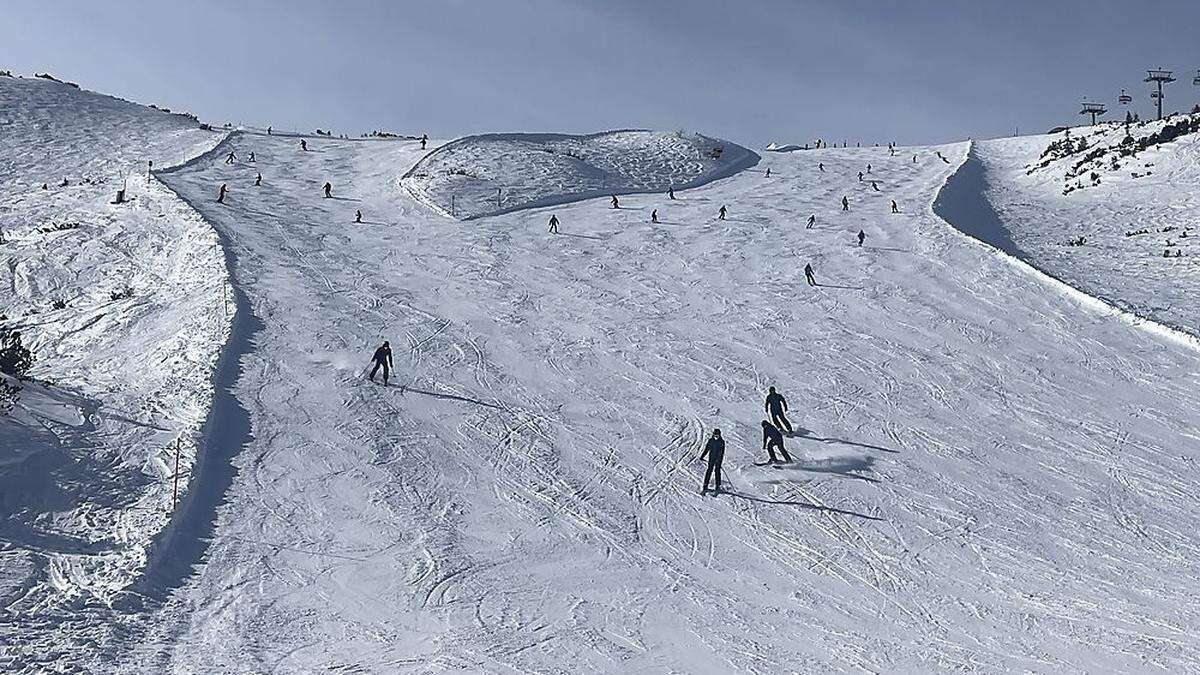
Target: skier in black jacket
773 439
777 405
714 450
383 357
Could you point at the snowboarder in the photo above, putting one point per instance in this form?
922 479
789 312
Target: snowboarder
258 179
654 216
773 439
424 140
221 197
845 203
303 144
671 192
861 236
382 357
229 159
895 208
251 156
777 405
553 224
714 450
358 215
328 189
812 220
809 274
615 204
721 213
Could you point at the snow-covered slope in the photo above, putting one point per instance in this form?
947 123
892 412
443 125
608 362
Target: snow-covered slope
1139 220
498 173
123 306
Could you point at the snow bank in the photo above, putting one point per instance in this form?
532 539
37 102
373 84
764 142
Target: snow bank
123 305
498 173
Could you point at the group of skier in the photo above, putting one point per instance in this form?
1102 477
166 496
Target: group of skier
773 430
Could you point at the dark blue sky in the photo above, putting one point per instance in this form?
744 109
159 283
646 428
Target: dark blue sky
752 71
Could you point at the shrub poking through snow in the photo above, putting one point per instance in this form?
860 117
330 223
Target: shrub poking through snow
15 358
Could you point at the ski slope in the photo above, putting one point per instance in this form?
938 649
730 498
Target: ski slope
991 474
1138 211
125 359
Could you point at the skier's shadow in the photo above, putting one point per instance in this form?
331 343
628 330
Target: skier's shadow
848 288
807 434
888 248
346 199
451 397
581 236
803 505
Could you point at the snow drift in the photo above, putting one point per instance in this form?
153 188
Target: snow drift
497 173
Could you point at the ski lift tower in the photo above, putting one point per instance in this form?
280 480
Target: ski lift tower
1159 77
1093 109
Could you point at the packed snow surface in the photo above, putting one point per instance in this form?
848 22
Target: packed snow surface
990 474
122 304
1139 220
497 173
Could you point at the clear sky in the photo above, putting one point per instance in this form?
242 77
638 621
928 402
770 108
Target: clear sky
751 71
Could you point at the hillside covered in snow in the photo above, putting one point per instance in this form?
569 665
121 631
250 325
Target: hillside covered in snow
991 471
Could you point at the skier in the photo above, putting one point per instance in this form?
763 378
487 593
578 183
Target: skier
821 166
358 215
251 156
615 204
868 168
812 220
768 172
303 144
861 236
382 357
258 179
895 208
553 224
772 439
654 216
845 204
809 274
777 405
874 186
714 450
328 189
671 192
914 159
221 197
860 175
229 159
721 213
424 140
268 129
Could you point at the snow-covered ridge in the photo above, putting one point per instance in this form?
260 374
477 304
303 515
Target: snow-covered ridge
498 173
123 305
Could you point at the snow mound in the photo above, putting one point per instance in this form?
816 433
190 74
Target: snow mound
498 173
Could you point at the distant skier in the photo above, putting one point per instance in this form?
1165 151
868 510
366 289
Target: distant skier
874 186
772 440
615 204
821 166
654 216
221 197
424 140
382 357
149 168
714 450
721 213
845 204
777 405
768 172
860 176
914 159
868 168
268 129
671 192
251 156
861 236
809 275
258 179
230 158
358 215
553 224
328 189
812 220
895 208
303 144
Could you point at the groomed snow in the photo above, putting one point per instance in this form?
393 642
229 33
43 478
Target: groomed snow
498 173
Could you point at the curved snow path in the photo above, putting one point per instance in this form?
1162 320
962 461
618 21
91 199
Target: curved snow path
990 477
